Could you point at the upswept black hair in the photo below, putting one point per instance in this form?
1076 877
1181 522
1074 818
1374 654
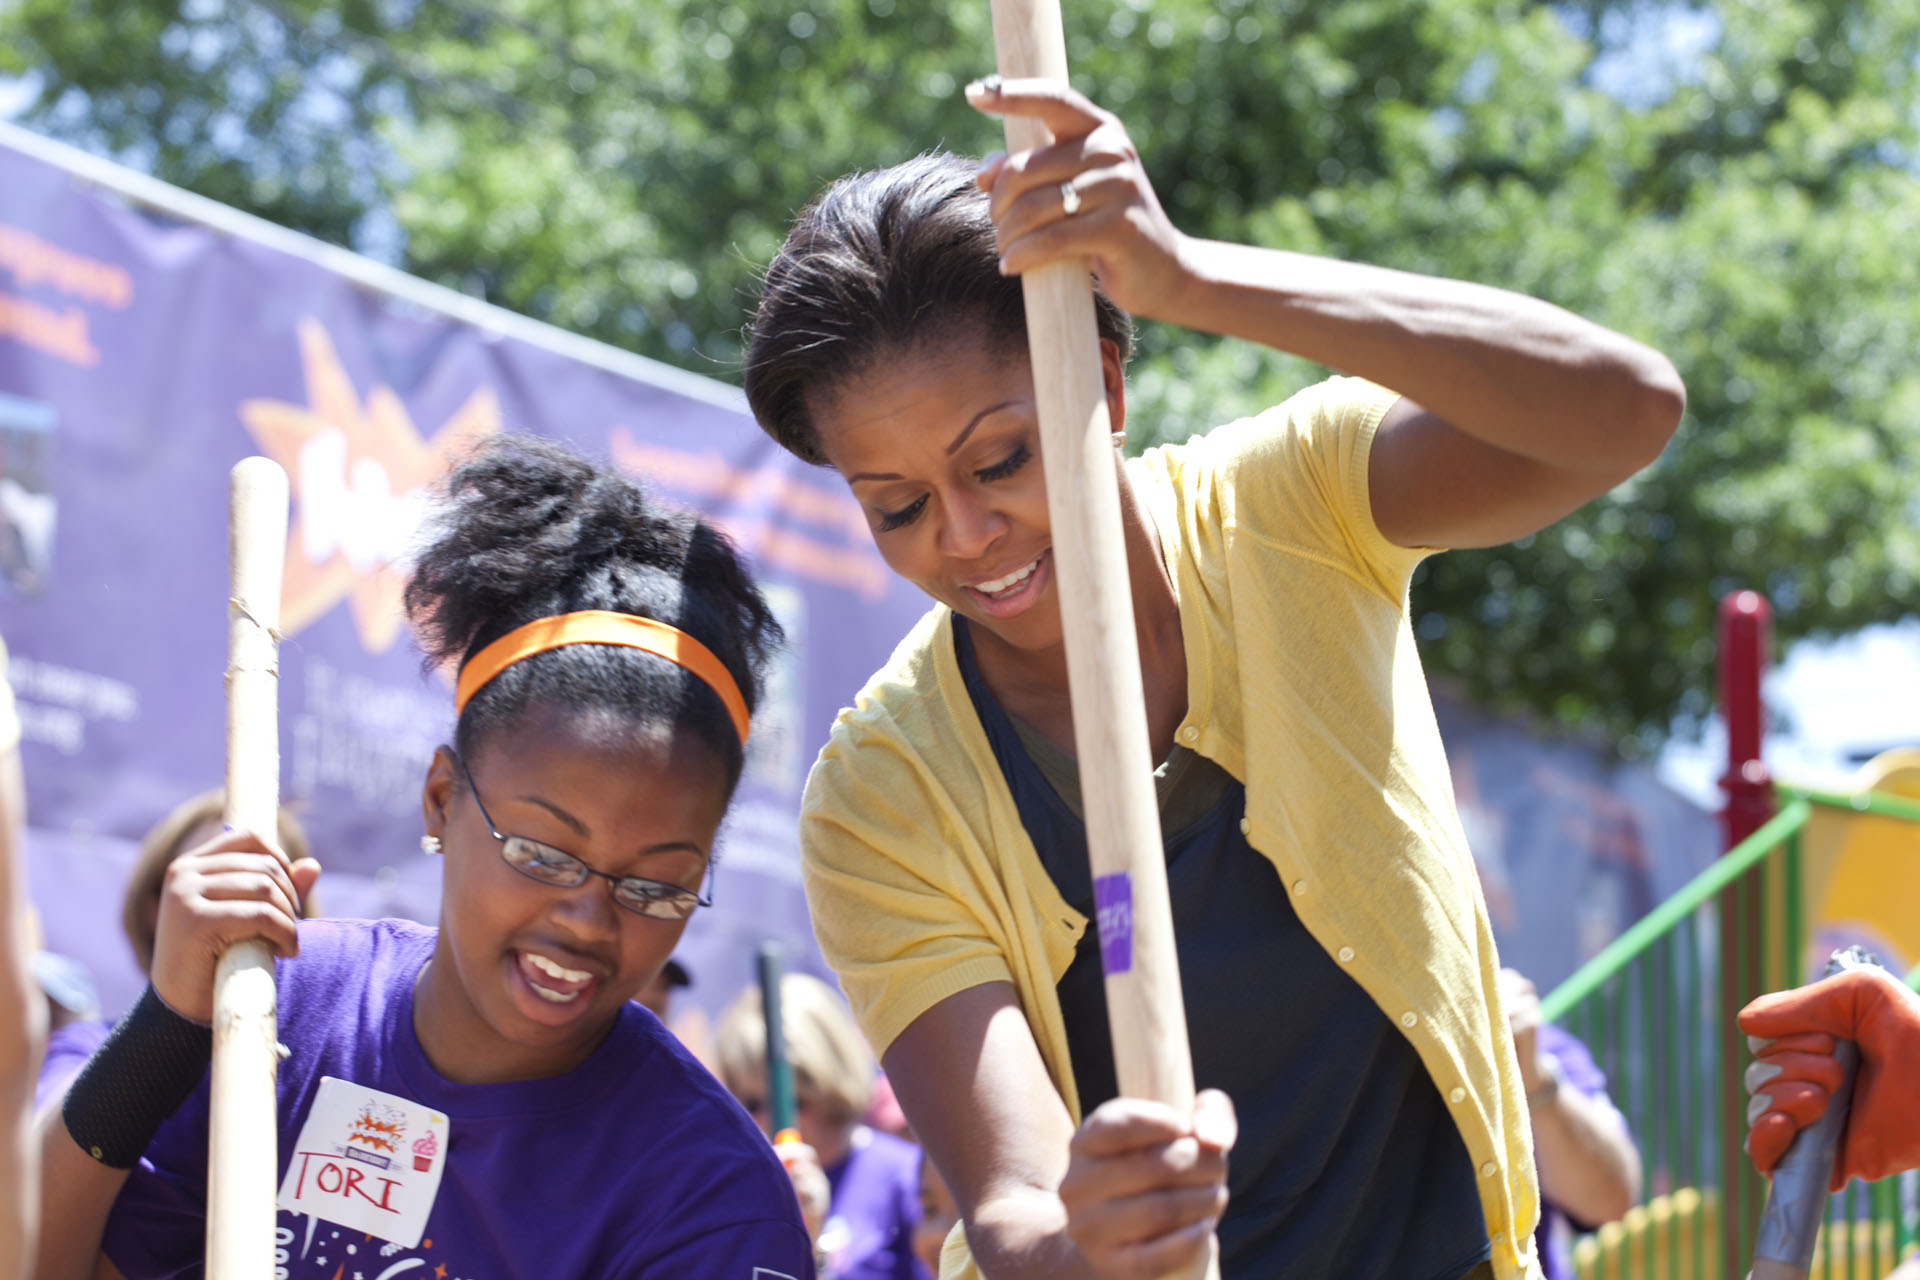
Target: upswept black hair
525 528
885 261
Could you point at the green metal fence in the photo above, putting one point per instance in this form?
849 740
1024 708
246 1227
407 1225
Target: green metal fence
1656 1007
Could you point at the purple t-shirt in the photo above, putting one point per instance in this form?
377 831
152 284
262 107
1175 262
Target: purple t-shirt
635 1163
1578 1072
67 1051
868 1234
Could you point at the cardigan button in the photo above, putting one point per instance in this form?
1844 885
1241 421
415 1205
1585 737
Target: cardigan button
1189 734
1488 1169
1457 1095
1245 826
1346 955
1408 1019
1299 887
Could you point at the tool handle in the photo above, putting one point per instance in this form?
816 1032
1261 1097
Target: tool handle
1132 910
1798 1197
242 1146
781 1105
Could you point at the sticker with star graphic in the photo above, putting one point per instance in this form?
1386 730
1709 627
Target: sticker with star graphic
367 1160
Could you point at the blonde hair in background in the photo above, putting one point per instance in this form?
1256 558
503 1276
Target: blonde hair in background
163 843
833 1066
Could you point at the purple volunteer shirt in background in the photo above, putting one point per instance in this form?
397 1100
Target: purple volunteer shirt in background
636 1163
868 1234
1578 1072
68 1049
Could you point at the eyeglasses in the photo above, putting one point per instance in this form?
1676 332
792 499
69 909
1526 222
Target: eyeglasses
654 899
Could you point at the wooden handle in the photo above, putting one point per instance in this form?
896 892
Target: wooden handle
242 1146
1144 1009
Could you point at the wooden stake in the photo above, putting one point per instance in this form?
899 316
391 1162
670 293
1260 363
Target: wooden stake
1144 1008
242 1155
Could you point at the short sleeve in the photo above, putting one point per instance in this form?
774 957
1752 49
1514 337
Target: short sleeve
1577 1068
763 1250
889 889
1296 477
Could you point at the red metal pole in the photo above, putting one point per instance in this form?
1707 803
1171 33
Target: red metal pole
1745 637
1746 633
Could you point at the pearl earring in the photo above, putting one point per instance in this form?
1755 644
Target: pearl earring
430 845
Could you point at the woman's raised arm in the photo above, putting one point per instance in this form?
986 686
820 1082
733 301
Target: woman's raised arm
1515 411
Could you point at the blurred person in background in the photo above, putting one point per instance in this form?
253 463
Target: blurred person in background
1794 1071
938 1215
657 996
687 1021
1589 1166
23 1011
72 1001
188 825
866 1228
884 1112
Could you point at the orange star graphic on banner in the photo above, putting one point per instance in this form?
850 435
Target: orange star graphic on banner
357 472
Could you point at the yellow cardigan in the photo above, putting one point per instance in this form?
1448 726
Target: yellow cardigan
1304 684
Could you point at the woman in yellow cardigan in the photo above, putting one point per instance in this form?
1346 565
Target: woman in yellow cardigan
1338 967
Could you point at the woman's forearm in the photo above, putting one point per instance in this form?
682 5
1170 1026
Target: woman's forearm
1513 371
76 1196
23 1026
1023 1236
1588 1163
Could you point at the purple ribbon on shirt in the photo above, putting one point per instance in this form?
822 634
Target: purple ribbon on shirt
1113 912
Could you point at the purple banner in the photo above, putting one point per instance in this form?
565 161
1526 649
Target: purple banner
140 357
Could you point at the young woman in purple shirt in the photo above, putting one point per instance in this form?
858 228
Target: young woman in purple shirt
610 655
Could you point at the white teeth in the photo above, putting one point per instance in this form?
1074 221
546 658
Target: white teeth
1013 579
553 970
553 997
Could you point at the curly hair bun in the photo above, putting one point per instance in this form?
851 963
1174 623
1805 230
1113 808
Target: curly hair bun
526 528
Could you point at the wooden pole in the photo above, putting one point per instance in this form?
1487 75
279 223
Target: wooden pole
242 1154
1144 1008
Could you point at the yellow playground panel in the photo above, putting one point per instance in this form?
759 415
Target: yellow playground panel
1654 1007
1863 872
1677 1237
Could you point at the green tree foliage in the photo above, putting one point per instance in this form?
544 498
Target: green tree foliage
1750 204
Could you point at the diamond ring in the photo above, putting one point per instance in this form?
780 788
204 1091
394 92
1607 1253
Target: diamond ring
1069 199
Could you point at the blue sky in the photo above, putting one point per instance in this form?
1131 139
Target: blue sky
1829 701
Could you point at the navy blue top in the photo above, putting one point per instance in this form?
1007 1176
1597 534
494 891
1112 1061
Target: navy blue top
1347 1163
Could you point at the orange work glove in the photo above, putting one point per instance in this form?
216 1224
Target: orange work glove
1794 1071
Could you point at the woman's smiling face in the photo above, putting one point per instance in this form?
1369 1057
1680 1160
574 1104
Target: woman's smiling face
941 447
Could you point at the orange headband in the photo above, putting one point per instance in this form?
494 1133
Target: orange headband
602 626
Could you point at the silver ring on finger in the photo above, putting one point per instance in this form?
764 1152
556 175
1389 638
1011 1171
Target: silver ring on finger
1069 199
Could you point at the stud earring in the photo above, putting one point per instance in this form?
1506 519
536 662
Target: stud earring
430 845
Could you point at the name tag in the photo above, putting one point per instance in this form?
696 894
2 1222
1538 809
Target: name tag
368 1161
